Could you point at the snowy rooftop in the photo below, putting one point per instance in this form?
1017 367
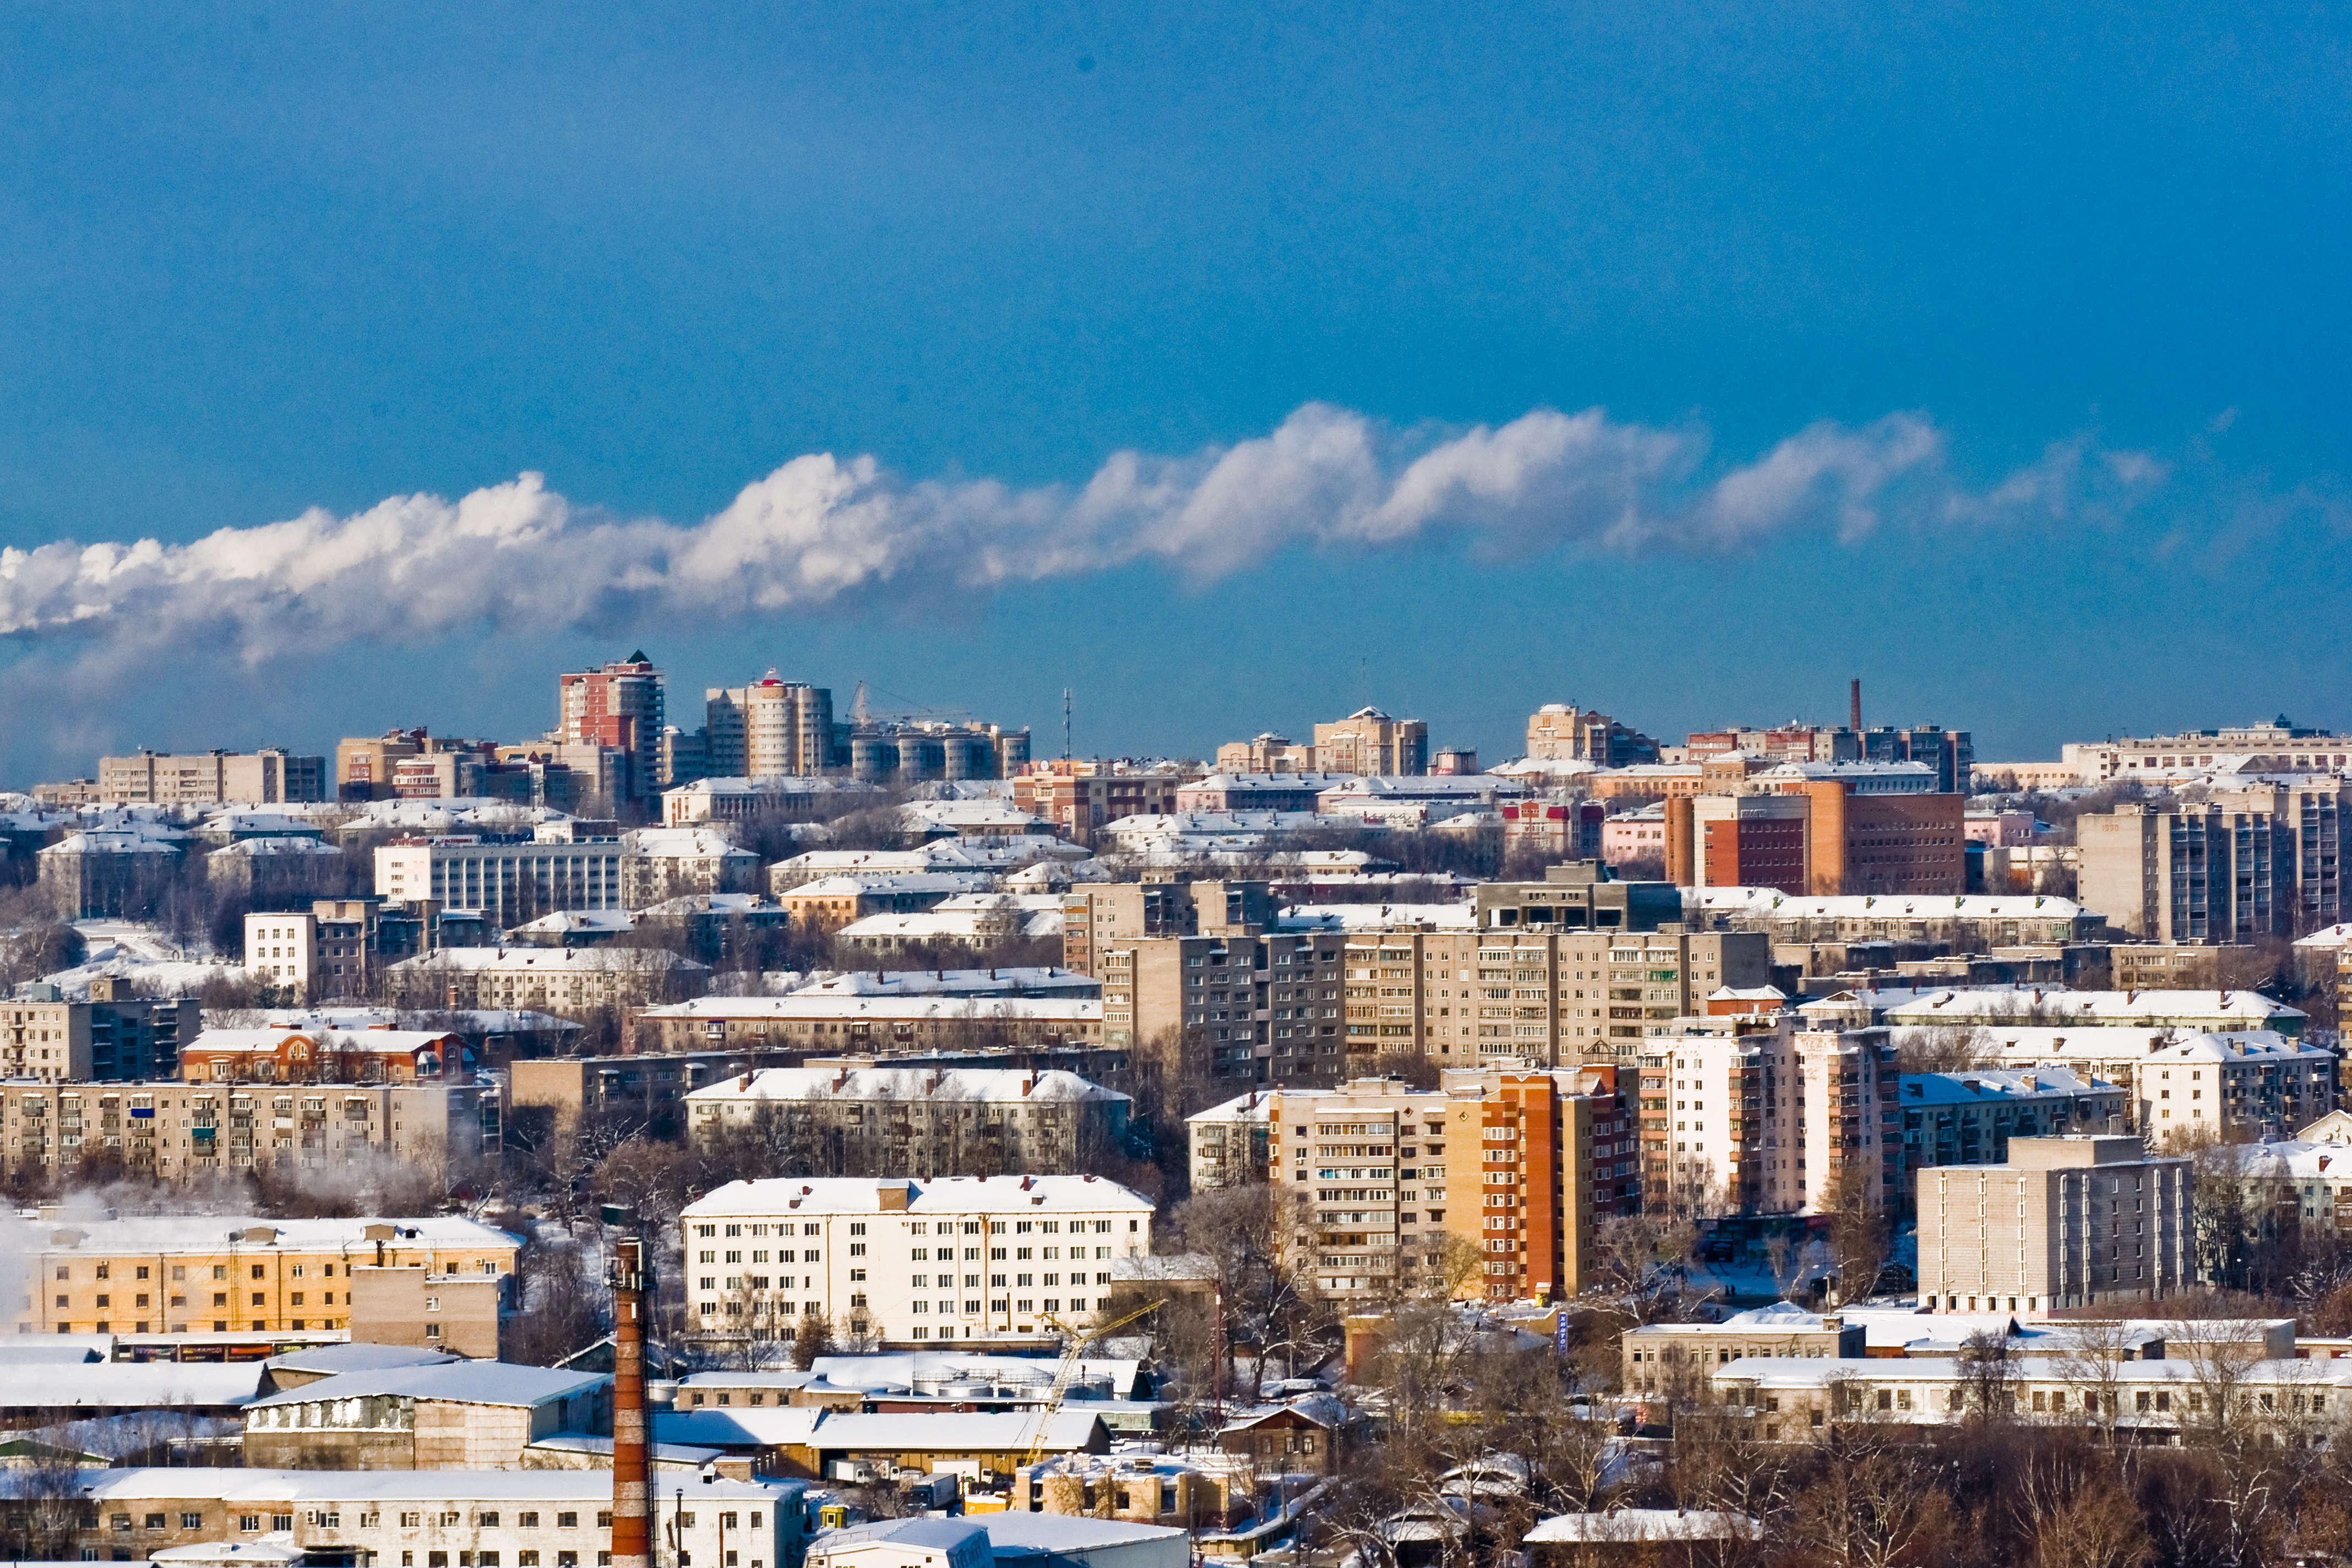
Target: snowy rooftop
944 1196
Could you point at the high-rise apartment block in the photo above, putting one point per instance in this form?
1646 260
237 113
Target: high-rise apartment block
1560 731
1368 742
2261 862
1483 1187
1776 1119
619 706
1268 1004
2078 1221
771 727
113 1036
212 777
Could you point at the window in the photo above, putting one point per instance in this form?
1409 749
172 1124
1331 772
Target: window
567 1522
527 1519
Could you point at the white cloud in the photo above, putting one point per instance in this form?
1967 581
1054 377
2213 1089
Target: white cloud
822 529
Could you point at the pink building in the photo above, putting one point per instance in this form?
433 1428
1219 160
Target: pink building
1551 828
1636 836
2005 828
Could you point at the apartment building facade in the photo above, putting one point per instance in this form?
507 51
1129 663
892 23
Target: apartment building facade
1968 1118
1098 917
212 777
967 1258
2248 864
620 706
2077 1221
545 979
769 727
1774 1120
180 1274
900 1120
1079 802
113 1036
325 952
2274 746
1368 742
817 1021
177 1131
1563 732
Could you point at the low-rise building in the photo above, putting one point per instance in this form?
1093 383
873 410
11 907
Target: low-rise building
961 1257
312 1056
892 1121
980 920
1138 1489
1658 1356
522 1517
838 900
2075 1221
464 1415
775 797
104 873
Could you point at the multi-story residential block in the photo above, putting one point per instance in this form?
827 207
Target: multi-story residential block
2251 863
178 1274
108 873
327 952
257 777
1252 1006
1237 791
784 797
906 1021
1268 753
1577 896
620 706
838 900
2077 1221
522 1517
2179 965
1368 742
1560 731
961 1257
658 863
771 727
1483 1189
1227 1142
176 1131
1771 1121
2003 1007
550 980
1078 798
2182 1084
507 883
364 764
110 1038
894 1120
1974 923
1968 1118
275 872
1099 916
2272 746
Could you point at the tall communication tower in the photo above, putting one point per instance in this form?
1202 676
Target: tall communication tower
1065 723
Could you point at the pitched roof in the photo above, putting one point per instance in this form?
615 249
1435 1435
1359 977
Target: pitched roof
457 1382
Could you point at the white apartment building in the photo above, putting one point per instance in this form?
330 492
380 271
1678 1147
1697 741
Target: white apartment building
1769 1121
2249 1083
509 883
549 979
768 728
2078 1221
2271 746
428 1518
297 952
660 863
959 1257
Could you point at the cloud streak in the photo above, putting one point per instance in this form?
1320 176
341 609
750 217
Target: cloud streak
823 531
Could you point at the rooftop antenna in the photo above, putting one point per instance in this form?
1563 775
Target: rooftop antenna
1065 723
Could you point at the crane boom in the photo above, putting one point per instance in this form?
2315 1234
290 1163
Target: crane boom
1064 1374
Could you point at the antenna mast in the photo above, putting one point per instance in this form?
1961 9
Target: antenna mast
1065 723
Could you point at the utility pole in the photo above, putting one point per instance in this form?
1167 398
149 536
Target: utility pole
632 1283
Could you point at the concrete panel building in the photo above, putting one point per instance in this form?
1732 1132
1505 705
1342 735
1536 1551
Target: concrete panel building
2079 1221
114 1037
254 777
176 1131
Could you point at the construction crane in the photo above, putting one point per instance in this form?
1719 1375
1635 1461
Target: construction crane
1064 1374
862 713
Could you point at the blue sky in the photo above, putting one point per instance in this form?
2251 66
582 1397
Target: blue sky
262 259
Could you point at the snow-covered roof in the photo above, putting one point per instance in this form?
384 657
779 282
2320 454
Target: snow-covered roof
457 1382
2011 1085
683 844
954 1431
549 960
1375 917
276 845
2334 938
122 1385
1257 1105
940 1195
587 1487
851 884
207 1233
990 1086
1772 901
1635 1525
2053 1005
407 1042
897 1007
107 841
577 922
766 1426
1004 980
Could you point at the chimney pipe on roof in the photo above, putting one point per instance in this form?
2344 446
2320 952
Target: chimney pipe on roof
1853 698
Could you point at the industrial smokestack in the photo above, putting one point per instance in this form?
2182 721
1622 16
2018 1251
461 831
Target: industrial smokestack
1855 699
632 1475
